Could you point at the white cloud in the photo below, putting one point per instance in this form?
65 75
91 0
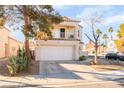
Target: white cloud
108 13
114 19
87 10
93 9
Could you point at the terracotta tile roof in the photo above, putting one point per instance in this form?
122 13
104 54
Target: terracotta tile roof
70 20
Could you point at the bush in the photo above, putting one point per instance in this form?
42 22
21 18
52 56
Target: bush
81 58
12 65
22 60
18 63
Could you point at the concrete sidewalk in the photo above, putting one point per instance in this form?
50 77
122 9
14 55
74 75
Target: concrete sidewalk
40 81
35 81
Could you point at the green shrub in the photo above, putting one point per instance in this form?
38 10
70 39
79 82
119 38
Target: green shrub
18 63
11 70
93 52
12 65
81 58
22 60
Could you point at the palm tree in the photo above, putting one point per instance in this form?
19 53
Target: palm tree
105 39
98 31
110 30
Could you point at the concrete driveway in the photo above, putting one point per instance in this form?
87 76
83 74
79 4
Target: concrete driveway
62 72
66 71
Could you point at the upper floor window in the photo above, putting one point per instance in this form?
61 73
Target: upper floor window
62 33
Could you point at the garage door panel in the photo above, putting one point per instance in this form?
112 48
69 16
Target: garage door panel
56 52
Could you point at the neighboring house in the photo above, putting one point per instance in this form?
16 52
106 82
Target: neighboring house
116 46
65 44
111 46
8 45
89 47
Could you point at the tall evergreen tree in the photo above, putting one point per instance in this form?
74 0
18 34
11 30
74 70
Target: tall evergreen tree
30 19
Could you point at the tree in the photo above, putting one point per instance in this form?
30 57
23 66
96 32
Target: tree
110 30
2 18
31 19
120 41
98 32
92 20
105 39
120 32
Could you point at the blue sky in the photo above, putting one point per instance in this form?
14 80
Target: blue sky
111 16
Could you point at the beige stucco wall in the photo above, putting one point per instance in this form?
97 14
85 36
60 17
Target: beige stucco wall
56 42
71 28
8 45
68 30
4 33
14 46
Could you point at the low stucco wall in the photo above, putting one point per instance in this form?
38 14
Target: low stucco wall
8 45
2 50
4 33
14 46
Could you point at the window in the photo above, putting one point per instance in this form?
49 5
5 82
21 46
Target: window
62 33
71 36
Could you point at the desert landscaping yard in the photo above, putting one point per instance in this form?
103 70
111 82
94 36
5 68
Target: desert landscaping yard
66 74
4 71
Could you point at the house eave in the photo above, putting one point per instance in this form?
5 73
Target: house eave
56 42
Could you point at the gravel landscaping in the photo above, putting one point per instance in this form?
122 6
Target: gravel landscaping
108 65
33 70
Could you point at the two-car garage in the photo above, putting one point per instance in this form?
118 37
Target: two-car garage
56 53
55 50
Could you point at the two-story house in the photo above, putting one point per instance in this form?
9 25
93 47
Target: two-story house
65 44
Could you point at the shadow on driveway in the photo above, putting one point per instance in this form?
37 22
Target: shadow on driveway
55 70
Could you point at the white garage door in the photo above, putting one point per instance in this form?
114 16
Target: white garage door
55 53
